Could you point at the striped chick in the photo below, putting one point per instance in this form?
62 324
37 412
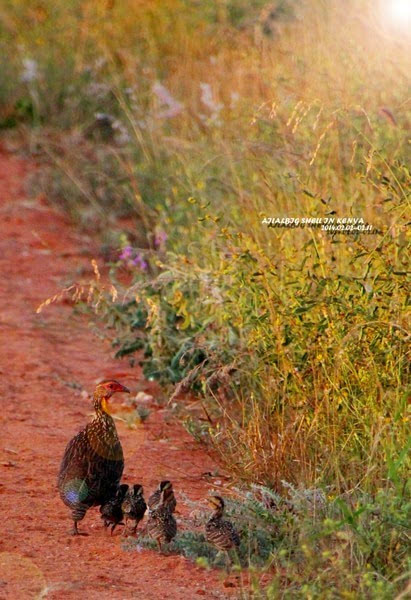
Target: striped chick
220 532
161 524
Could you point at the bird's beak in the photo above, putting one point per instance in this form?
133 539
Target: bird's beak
123 388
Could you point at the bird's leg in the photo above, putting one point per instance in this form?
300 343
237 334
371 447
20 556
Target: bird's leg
159 545
228 562
75 530
237 557
125 527
114 526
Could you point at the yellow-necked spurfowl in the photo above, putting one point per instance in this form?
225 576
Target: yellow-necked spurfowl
220 532
93 461
112 511
154 499
161 524
134 505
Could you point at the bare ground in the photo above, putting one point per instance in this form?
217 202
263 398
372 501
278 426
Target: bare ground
41 357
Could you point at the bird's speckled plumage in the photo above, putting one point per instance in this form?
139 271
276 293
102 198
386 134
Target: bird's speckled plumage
161 524
134 506
154 499
111 511
220 532
93 461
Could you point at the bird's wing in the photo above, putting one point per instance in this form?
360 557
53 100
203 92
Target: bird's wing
154 500
88 473
172 527
73 481
75 462
231 531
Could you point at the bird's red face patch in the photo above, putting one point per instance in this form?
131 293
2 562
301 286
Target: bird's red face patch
113 386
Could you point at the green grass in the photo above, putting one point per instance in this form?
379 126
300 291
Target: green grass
295 341
318 546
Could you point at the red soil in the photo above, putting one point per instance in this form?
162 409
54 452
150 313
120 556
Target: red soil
41 355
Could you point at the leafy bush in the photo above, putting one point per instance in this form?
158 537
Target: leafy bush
349 546
296 338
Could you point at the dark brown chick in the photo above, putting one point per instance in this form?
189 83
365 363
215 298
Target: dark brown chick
220 532
93 461
154 499
161 524
134 506
111 511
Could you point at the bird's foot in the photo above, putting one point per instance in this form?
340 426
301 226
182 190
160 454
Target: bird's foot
114 526
127 532
75 531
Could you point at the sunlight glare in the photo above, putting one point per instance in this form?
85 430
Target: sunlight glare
400 12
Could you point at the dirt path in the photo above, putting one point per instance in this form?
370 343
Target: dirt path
40 357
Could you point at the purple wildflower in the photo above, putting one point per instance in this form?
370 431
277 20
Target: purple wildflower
139 261
126 253
160 238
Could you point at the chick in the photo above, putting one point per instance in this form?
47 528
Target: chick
220 532
111 511
161 524
134 506
154 499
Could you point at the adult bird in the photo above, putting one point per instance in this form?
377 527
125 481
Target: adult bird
93 461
